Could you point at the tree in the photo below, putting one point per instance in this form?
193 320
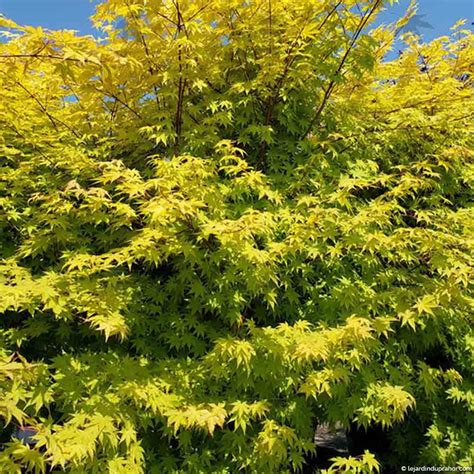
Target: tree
225 222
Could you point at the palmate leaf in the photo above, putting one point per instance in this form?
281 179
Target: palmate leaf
226 222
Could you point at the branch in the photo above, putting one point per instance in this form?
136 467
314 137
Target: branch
199 11
270 33
151 66
33 144
51 118
332 84
181 84
289 60
46 56
115 97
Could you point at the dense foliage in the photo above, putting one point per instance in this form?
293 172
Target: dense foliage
226 222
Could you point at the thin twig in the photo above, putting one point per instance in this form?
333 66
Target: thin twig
332 84
289 60
151 65
181 83
51 118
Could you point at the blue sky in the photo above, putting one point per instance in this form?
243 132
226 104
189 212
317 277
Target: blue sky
54 14
73 14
